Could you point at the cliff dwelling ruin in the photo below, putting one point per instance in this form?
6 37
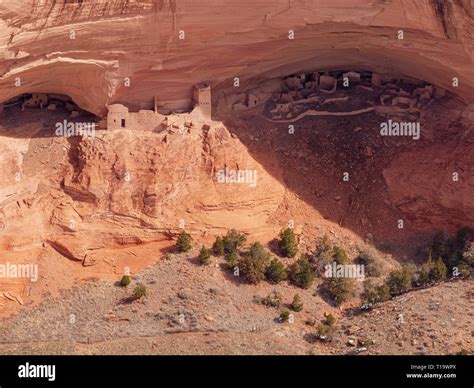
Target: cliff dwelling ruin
335 93
179 145
118 115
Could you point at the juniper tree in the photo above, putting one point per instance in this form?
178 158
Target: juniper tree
254 263
233 240
276 271
288 244
301 273
204 256
218 247
296 305
184 242
125 281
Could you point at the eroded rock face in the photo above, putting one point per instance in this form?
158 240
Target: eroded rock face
125 188
119 199
87 49
153 181
434 187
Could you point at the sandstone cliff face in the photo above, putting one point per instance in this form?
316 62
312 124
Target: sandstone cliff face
426 186
222 39
155 184
119 198
120 189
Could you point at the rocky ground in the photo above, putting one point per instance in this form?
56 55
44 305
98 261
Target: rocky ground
193 309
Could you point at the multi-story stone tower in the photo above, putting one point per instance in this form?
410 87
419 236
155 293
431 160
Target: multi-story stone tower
202 98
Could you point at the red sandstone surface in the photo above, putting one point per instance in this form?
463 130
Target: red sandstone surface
84 208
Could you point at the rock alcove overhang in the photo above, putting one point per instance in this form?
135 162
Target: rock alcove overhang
97 96
141 42
64 105
413 67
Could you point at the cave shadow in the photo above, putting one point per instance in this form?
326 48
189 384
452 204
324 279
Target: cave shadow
39 123
337 142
